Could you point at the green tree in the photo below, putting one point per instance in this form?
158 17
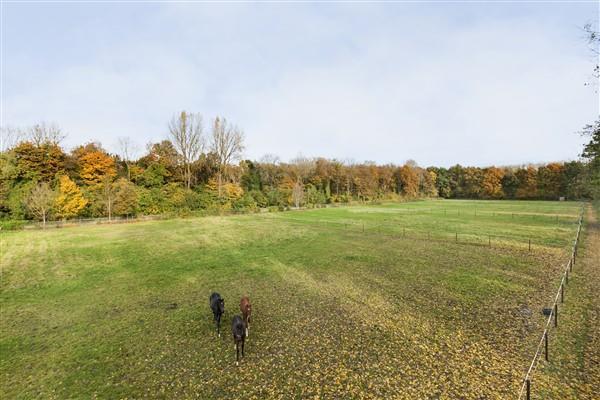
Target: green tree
125 198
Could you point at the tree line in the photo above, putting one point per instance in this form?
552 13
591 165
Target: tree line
202 169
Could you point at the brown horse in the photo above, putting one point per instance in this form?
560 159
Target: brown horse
246 309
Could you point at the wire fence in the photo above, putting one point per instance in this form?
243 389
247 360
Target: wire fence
537 215
552 316
397 230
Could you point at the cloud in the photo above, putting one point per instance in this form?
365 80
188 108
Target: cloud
382 83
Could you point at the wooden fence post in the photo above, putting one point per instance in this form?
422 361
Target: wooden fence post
546 344
528 389
562 293
555 315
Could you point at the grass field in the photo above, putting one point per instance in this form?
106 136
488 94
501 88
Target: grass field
358 302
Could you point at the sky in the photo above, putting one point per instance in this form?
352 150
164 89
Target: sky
440 83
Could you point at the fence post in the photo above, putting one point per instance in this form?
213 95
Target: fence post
567 277
546 344
456 237
562 293
490 240
571 264
528 389
555 315
529 244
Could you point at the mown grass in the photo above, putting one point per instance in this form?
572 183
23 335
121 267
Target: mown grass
122 311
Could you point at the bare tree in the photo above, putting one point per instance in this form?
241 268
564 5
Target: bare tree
187 133
108 195
227 143
9 137
126 149
270 159
40 201
44 132
298 194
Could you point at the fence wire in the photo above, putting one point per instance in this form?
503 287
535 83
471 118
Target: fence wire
543 343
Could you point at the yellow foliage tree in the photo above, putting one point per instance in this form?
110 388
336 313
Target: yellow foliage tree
96 166
232 191
492 183
70 200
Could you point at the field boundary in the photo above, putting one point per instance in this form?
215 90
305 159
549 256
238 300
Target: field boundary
552 315
65 223
456 236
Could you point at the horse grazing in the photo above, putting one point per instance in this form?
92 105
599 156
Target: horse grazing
246 309
217 305
238 329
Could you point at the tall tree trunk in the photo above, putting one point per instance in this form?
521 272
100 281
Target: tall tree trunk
220 181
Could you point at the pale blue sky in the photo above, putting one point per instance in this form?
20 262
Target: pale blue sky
475 84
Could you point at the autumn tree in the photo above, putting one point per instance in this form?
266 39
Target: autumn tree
491 184
227 142
510 183
125 197
427 182
40 201
527 183
408 180
70 200
95 167
186 131
549 181
38 162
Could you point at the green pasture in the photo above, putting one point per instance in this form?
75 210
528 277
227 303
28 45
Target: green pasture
397 309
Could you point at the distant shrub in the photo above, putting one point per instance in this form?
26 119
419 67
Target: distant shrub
12 224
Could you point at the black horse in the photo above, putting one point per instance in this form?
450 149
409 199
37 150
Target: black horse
217 305
238 329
